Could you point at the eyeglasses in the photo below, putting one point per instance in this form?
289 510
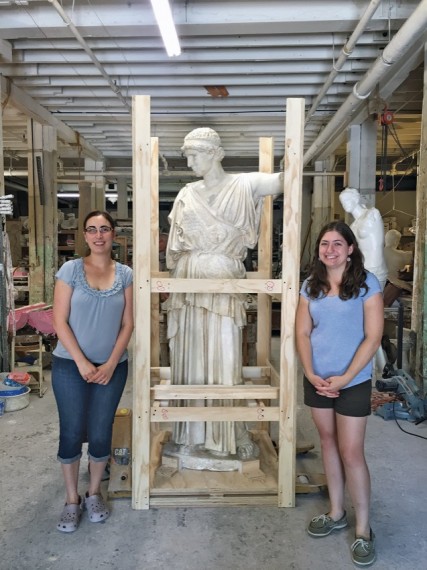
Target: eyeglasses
102 230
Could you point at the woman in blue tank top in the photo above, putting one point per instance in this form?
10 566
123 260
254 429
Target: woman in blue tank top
338 330
93 319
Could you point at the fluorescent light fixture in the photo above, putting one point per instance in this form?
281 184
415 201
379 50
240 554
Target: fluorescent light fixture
108 196
163 14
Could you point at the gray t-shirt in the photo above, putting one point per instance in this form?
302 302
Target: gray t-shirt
338 331
95 316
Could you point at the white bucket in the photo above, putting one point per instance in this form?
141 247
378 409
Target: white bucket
18 402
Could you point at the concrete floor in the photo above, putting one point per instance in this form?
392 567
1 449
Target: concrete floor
203 538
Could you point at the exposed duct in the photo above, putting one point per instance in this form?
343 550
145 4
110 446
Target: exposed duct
405 38
90 53
345 53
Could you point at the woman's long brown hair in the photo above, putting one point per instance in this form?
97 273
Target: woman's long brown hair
354 276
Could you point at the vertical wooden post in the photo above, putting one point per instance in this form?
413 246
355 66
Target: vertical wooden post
98 182
419 300
292 201
122 198
35 214
154 248
266 164
320 203
141 263
85 206
330 161
50 211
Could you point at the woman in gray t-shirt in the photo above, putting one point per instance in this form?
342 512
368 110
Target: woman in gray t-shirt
93 319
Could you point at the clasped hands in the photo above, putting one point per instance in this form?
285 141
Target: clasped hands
96 374
329 387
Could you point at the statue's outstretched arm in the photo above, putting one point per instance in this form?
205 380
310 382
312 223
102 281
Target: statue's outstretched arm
266 184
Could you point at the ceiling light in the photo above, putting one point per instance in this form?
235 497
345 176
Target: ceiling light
163 14
108 196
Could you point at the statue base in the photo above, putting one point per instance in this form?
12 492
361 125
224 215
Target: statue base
178 457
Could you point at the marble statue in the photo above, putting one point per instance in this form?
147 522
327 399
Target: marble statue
396 259
212 224
368 227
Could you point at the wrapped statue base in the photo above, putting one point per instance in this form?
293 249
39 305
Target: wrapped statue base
198 458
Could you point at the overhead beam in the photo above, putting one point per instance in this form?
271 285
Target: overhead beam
33 110
205 18
5 51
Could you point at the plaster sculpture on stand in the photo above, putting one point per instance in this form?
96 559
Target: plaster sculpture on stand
70 222
396 259
212 224
368 227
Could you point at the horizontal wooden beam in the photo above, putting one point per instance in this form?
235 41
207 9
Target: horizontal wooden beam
252 372
214 414
269 286
190 499
21 101
187 392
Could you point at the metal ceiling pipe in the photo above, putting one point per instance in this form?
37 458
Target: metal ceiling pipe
405 38
345 53
89 52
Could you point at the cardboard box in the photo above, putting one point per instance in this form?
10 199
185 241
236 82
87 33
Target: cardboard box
121 454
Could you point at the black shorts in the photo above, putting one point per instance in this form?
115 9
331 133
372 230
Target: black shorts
354 401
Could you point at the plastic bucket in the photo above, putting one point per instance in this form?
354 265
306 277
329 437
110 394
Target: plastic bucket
17 401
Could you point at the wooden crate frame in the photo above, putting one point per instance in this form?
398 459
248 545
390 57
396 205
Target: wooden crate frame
149 282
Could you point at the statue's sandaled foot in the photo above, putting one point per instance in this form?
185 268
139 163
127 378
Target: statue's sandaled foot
246 448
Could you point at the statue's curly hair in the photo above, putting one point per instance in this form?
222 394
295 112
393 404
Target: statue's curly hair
354 276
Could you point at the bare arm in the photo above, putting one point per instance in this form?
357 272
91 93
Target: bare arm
267 184
61 313
373 313
304 326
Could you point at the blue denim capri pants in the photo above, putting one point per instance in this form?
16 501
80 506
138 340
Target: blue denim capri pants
86 411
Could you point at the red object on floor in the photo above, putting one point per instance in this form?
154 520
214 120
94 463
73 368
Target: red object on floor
21 377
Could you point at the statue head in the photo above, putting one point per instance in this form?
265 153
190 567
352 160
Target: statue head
392 238
203 139
349 198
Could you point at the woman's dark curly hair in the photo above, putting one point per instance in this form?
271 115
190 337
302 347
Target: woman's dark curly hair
354 276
